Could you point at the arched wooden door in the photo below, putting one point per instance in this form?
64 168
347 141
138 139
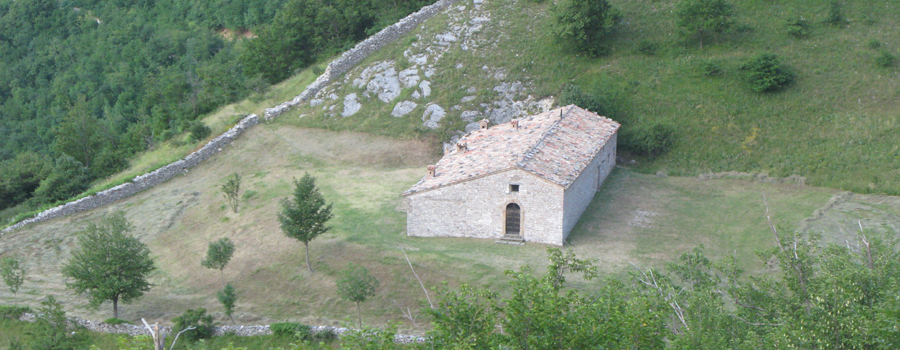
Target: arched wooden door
513 219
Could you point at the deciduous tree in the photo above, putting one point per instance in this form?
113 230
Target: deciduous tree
227 297
303 217
111 265
704 16
585 24
231 190
13 274
218 255
356 285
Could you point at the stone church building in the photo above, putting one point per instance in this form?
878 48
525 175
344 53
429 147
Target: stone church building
526 180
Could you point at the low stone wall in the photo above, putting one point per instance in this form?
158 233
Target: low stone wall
351 57
145 181
335 69
242 331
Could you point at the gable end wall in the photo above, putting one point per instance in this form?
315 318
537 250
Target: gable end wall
476 208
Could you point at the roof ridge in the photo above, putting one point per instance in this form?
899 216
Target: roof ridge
540 142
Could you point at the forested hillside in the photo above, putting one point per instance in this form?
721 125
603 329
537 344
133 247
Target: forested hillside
86 84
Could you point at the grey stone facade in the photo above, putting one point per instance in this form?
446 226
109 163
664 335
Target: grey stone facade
550 166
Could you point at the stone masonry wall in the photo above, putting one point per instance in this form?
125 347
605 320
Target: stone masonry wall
242 331
581 192
351 57
145 181
335 69
477 208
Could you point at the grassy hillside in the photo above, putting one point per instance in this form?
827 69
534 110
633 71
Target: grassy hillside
822 127
836 124
641 219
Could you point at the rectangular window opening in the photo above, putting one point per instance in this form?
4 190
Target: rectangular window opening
514 188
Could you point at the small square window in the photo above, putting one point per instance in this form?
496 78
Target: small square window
514 188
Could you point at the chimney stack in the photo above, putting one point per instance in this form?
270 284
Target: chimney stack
484 123
515 123
431 170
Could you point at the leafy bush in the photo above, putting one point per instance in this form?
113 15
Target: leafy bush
711 68
291 329
647 47
202 323
573 95
798 27
13 311
648 138
115 321
885 59
835 14
199 131
585 24
765 74
874 44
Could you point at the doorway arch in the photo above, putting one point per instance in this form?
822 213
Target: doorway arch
513 219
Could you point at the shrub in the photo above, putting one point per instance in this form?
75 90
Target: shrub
202 322
13 311
764 73
835 14
573 95
885 59
874 44
199 131
115 321
798 27
647 47
585 24
291 329
711 68
648 138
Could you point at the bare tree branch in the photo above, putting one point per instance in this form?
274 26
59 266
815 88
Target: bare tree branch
417 278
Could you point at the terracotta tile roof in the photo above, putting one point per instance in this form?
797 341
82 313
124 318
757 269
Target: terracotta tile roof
555 145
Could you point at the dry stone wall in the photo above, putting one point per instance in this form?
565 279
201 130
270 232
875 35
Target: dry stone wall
359 52
335 69
242 331
145 181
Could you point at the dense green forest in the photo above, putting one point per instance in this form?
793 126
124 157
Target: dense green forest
86 84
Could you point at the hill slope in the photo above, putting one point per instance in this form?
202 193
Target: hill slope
637 218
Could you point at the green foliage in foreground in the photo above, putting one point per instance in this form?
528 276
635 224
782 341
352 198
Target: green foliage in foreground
834 297
110 265
198 319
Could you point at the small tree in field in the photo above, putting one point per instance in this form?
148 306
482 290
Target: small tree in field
231 190
303 217
705 16
356 285
111 265
218 255
13 274
227 297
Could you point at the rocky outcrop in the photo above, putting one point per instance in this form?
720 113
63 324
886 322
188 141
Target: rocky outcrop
352 57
